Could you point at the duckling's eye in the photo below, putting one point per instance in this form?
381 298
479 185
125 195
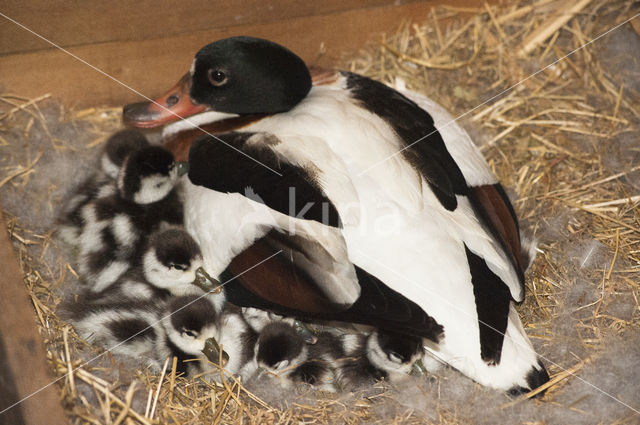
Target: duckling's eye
217 77
181 267
190 333
395 357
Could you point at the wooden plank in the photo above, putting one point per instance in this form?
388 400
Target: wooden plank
24 368
77 22
151 66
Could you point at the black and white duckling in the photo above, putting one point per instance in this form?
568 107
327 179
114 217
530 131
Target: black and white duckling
171 266
231 344
118 147
149 330
397 188
173 262
190 325
116 227
122 326
98 184
282 351
378 356
394 354
353 369
237 340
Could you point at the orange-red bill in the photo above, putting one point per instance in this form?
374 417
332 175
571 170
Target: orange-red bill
175 104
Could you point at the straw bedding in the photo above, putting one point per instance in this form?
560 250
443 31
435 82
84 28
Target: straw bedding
564 142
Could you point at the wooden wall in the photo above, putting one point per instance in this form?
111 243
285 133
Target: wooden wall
148 44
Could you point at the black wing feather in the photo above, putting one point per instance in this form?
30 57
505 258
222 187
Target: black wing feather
492 305
424 147
225 169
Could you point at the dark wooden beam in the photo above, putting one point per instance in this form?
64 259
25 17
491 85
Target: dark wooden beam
25 374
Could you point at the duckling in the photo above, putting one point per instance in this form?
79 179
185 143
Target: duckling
151 330
98 184
237 339
353 369
173 261
394 354
281 350
374 357
118 147
190 324
122 326
116 226
171 266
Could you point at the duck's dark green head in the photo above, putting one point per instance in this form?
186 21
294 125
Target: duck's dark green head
238 75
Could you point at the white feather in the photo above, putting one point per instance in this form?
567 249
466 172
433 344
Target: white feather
107 276
232 325
466 154
124 231
194 122
352 136
225 224
108 167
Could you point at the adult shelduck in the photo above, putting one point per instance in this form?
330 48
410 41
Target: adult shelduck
385 210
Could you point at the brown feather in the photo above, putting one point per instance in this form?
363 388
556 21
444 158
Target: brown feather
278 280
499 217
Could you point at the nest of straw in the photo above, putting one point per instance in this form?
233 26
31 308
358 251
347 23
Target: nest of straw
563 141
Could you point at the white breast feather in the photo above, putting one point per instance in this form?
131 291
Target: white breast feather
355 136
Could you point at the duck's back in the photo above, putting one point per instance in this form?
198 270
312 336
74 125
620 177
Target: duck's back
418 229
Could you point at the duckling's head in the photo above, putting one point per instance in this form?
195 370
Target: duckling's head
147 175
118 147
238 76
279 347
393 352
171 261
189 322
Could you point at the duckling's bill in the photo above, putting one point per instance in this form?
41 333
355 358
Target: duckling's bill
205 282
183 168
214 353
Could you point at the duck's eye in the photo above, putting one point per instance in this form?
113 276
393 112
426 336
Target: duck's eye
178 267
217 77
190 333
